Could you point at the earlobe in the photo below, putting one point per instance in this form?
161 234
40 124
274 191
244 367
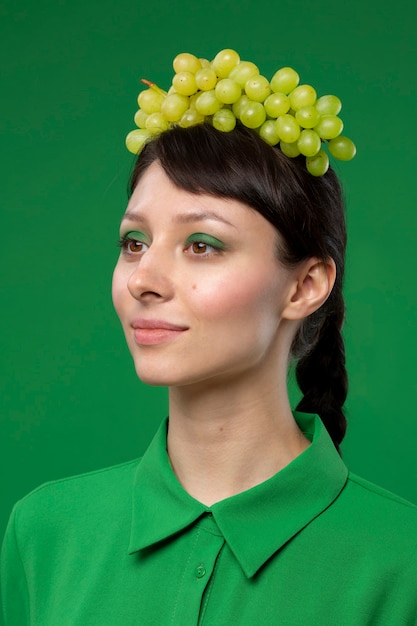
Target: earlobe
313 283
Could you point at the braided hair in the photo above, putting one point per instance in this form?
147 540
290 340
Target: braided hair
307 211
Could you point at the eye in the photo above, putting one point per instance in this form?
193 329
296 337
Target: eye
200 244
199 247
133 246
133 243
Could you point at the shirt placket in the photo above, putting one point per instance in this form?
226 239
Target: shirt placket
198 572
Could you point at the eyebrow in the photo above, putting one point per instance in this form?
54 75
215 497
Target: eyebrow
182 218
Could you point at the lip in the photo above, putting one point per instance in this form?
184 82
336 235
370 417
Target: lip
151 332
155 325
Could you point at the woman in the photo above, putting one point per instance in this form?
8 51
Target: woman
240 511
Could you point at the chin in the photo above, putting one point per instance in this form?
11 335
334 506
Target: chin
165 376
154 379
155 376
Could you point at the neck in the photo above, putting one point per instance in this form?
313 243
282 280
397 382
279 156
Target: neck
226 439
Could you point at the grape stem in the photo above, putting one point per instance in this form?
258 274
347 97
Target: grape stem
153 86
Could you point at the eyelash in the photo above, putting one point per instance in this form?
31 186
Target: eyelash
214 250
125 241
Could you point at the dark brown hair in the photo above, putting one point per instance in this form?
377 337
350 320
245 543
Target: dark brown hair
307 211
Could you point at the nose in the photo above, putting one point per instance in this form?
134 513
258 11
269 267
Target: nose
150 279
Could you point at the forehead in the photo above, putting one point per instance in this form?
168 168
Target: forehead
156 195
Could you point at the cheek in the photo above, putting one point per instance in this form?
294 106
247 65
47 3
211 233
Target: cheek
118 290
243 295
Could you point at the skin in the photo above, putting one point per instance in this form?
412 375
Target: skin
236 308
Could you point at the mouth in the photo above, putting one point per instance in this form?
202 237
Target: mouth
152 332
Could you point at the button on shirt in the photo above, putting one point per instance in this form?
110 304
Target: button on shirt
127 545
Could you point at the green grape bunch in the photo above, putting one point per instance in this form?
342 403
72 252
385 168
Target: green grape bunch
284 112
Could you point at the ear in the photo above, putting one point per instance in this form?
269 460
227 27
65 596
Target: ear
313 283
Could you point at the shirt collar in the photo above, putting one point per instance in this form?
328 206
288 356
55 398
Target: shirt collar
255 523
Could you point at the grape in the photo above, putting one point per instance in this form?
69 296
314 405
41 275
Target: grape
174 106
243 71
318 164
289 149
342 148
207 103
307 117
257 88
328 105
281 111
285 80
302 96
185 62
228 91
206 79
140 118
224 120
268 132
185 83
239 104
329 126
224 62
277 104
156 122
150 100
136 139
288 129
192 100
253 114
309 143
190 118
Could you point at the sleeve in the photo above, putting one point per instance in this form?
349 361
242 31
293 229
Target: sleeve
14 590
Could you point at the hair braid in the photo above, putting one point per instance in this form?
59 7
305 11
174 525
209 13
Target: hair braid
321 373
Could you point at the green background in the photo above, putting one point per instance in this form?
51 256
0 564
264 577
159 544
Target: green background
70 400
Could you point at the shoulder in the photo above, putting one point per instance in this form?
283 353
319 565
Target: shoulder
370 495
373 516
367 531
77 499
89 484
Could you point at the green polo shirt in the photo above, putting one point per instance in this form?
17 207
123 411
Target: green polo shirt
127 545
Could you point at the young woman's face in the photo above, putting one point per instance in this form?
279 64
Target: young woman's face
198 287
